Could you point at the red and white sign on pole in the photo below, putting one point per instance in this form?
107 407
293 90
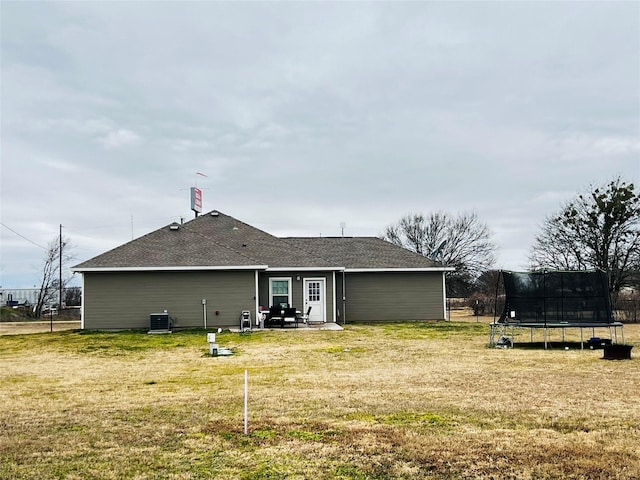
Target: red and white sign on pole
196 200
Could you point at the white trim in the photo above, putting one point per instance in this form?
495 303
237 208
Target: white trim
165 269
444 296
290 288
394 270
259 267
257 299
323 280
334 298
84 296
303 269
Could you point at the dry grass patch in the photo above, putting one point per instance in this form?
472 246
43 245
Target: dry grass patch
388 401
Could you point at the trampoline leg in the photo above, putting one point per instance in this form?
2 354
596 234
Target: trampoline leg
581 341
545 337
492 335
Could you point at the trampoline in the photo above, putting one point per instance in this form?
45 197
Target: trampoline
550 300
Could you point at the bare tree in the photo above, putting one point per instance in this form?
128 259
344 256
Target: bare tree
463 242
597 230
50 283
73 296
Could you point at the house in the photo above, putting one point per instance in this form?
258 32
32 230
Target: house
206 271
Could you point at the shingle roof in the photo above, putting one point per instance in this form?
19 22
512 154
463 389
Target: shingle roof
363 252
210 240
218 240
169 247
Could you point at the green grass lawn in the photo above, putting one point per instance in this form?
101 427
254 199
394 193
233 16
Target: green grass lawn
407 400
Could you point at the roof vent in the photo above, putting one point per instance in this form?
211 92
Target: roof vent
214 214
174 226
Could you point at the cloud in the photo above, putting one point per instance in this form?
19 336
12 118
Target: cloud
365 111
61 165
580 146
120 138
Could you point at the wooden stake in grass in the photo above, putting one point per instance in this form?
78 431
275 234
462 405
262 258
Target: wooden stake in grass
246 402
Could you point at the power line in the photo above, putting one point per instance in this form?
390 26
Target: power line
23 237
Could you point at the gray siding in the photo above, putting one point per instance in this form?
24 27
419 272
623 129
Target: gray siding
297 287
125 300
383 297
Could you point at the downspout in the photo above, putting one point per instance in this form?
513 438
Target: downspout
444 295
334 302
82 302
257 298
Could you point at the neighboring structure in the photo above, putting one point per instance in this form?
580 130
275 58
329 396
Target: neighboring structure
13 297
206 271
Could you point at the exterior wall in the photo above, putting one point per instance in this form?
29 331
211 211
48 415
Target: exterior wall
125 300
387 296
297 287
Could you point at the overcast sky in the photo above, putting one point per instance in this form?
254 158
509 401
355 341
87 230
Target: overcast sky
304 115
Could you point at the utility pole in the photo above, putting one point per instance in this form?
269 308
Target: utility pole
344 297
59 280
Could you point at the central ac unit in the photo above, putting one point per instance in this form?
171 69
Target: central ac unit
160 322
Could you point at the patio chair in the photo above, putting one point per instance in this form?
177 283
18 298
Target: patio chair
304 317
290 317
275 315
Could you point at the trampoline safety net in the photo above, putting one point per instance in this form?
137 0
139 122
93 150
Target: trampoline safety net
544 298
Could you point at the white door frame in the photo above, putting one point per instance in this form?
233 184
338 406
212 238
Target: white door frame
323 295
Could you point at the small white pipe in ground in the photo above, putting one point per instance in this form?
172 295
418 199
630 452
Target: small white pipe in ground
246 402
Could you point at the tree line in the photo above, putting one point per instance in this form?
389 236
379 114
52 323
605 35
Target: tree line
598 229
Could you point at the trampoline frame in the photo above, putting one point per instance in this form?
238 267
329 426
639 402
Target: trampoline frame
500 328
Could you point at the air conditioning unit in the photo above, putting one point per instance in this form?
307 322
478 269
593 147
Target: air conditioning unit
160 323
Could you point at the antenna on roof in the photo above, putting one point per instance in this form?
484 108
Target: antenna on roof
196 196
342 225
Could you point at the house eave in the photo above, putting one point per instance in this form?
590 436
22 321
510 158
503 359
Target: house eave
399 270
304 269
256 267
166 269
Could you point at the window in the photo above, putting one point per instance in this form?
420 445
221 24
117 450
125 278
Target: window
280 292
313 291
